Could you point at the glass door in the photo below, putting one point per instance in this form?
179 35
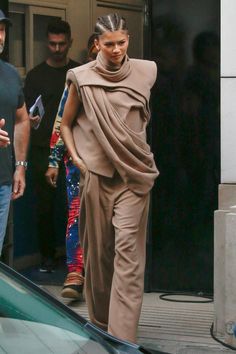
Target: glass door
27 35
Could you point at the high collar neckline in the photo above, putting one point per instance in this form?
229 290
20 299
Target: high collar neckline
110 72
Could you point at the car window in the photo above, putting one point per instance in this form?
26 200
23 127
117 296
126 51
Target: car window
30 323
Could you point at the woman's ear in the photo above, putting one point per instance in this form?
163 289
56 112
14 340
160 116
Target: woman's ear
96 43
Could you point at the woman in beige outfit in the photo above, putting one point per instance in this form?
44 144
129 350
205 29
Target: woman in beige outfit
104 128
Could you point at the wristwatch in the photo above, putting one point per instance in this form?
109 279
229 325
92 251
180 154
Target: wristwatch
21 163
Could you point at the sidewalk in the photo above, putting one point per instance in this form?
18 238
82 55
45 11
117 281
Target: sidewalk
173 327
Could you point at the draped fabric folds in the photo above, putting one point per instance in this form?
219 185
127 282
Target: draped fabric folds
125 148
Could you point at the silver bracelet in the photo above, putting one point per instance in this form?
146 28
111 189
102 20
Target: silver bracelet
21 163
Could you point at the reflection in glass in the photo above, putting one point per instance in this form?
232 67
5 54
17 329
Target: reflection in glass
186 139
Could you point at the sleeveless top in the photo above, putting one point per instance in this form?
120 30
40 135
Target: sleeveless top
110 130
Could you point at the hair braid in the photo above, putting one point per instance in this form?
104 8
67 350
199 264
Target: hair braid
111 22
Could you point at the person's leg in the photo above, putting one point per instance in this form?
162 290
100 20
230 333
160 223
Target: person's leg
45 199
5 198
73 247
113 222
97 236
46 230
130 223
73 286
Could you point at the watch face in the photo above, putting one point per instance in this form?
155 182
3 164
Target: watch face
21 163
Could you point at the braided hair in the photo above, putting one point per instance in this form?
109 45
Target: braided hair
111 23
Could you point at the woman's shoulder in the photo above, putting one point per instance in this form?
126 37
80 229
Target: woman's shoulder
147 68
142 63
74 75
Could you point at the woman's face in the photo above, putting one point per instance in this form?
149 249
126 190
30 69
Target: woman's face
113 46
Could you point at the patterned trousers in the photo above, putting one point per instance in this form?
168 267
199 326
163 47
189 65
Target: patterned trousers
74 253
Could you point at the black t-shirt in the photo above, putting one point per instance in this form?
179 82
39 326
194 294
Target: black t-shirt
11 98
49 82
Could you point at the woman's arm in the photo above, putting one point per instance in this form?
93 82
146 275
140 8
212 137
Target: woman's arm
57 146
70 112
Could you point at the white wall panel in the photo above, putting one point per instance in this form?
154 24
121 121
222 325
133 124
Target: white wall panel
228 130
228 40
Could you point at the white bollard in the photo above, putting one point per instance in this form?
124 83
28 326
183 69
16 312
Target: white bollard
230 277
219 271
225 275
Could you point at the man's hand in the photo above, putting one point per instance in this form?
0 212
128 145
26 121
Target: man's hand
34 121
4 139
18 182
51 176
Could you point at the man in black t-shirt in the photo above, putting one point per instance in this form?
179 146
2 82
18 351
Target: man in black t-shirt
14 134
47 79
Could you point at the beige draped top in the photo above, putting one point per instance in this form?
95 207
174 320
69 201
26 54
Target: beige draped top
110 129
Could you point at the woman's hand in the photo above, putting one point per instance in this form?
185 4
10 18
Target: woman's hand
80 164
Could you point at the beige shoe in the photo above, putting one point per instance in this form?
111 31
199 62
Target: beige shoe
73 286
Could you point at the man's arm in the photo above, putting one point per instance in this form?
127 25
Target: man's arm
21 142
57 146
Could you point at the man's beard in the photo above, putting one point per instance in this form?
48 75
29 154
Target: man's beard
58 57
1 47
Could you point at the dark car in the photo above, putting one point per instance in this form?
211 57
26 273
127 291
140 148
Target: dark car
32 321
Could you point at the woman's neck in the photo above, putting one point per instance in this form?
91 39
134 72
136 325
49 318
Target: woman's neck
109 65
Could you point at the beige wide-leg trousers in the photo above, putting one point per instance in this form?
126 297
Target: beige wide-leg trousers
113 222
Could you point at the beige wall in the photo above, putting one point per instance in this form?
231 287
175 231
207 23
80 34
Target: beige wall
79 17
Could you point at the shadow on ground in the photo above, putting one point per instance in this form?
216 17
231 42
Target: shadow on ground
57 277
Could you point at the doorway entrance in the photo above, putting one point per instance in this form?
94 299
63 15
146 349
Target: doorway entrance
185 140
